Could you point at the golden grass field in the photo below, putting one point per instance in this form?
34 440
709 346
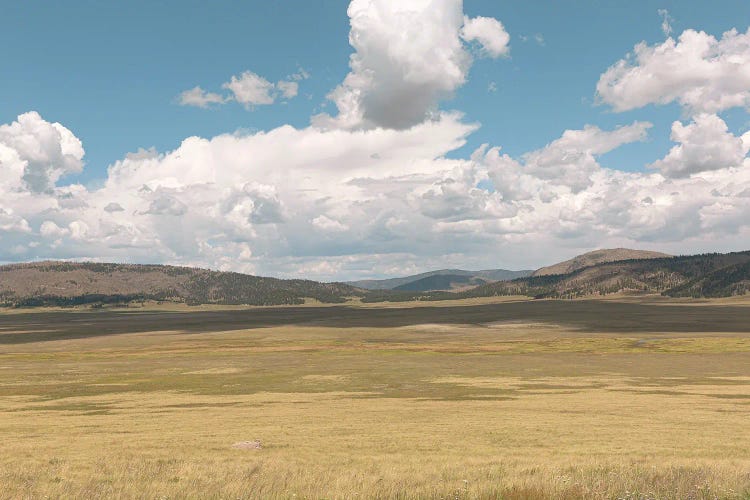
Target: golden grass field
629 398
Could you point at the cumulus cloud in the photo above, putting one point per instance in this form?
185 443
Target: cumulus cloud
37 153
12 223
338 203
250 89
489 33
49 229
166 204
705 144
703 74
408 56
287 90
378 189
571 159
325 223
256 203
113 207
200 98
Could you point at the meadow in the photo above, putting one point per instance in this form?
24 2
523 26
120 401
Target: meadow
631 398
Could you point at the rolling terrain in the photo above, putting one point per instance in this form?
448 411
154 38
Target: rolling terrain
698 276
64 284
593 274
708 275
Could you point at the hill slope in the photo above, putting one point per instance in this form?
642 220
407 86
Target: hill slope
441 282
396 283
707 275
597 257
62 283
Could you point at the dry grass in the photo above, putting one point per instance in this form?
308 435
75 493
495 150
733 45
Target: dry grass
518 410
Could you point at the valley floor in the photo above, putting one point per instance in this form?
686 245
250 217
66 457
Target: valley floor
617 398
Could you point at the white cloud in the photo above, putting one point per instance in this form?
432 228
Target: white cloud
250 89
374 191
113 207
408 56
571 159
11 223
300 74
165 203
666 22
490 34
701 73
327 224
79 230
200 98
705 144
36 154
288 90
338 203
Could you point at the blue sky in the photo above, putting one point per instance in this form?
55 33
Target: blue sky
111 71
112 75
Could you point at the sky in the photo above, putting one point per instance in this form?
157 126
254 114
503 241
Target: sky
342 140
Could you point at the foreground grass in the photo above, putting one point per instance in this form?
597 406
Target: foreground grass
523 409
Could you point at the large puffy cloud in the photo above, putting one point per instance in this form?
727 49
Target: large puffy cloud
701 73
408 56
286 192
705 144
335 203
374 190
36 153
621 206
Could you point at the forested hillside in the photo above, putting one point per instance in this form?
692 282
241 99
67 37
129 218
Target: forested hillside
62 283
707 275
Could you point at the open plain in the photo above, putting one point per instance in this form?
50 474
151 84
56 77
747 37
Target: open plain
495 398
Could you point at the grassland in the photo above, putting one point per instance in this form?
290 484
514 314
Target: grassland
620 398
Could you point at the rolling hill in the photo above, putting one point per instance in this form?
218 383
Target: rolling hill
426 285
706 275
597 257
63 283
66 284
